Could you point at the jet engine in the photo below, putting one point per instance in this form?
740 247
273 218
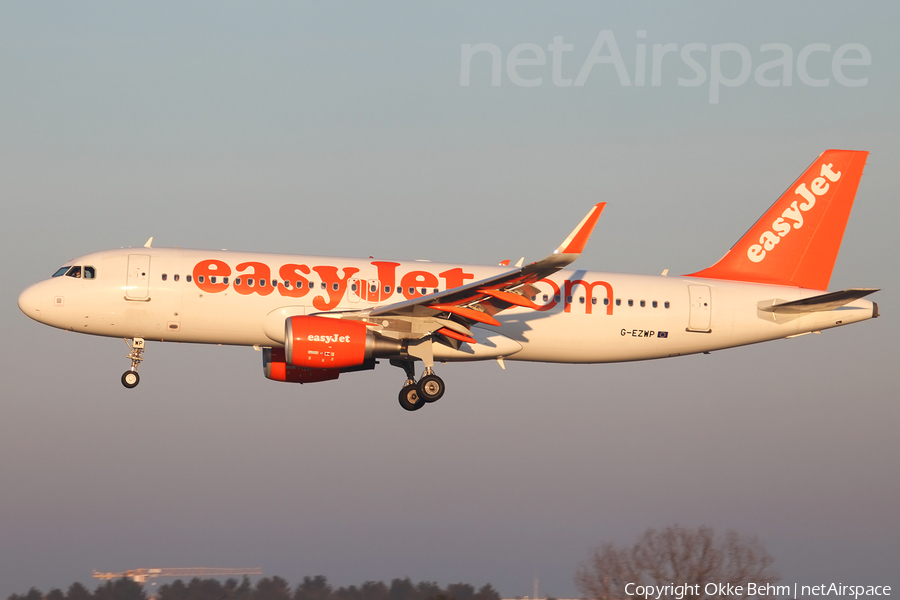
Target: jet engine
276 368
325 343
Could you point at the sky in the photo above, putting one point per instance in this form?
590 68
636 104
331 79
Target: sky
349 129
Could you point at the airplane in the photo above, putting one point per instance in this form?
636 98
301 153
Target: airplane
317 317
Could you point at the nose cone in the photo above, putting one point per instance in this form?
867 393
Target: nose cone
30 302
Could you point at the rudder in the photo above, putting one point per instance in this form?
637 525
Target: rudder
796 241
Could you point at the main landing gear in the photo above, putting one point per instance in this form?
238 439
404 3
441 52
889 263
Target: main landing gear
130 378
414 395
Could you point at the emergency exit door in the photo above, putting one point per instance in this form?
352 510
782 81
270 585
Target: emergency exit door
701 308
137 284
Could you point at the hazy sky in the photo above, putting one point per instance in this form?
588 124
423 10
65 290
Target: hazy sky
343 128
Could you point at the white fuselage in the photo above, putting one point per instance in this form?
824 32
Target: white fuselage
585 316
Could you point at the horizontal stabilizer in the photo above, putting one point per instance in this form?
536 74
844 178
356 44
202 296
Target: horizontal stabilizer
821 303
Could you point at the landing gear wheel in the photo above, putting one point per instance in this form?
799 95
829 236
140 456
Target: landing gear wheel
431 388
410 398
130 379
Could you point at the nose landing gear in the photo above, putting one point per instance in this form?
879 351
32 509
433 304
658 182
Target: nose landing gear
130 378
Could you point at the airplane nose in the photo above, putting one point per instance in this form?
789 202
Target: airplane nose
30 302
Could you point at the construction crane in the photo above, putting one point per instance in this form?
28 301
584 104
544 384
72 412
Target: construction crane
142 575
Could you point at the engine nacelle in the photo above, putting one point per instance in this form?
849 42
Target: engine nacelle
276 368
325 343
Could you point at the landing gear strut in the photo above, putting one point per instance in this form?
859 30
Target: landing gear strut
130 378
414 395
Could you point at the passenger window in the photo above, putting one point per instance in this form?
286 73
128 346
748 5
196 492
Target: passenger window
188 278
581 299
606 302
176 277
287 284
334 286
593 301
666 304
387 289
568 299
74 272
373 288
200 279
262 283
643 304
412 291
89 273
324 287
546 298
61 271
556 298
164 276
237 281
655 304
212 279
631 303
353 287
225 280
618 302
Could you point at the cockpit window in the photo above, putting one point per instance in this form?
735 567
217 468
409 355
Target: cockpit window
77 272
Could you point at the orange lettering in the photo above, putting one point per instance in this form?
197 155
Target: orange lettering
589 290
415 280
330 277
261 272
456 277
387 274
299 284
553 301
205 269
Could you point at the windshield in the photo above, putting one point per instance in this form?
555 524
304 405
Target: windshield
77 272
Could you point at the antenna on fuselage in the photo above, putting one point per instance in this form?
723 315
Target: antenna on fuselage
149 243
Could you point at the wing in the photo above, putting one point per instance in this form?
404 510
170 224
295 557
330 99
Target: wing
453 312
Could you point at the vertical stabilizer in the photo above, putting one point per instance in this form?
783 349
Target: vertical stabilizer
797 241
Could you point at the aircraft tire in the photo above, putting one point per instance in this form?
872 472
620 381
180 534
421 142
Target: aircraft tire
410 399
130 379
431 388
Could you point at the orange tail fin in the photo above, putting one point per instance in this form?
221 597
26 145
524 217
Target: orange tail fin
797 241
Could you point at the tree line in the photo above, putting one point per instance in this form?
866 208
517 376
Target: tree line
267 588
678 562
